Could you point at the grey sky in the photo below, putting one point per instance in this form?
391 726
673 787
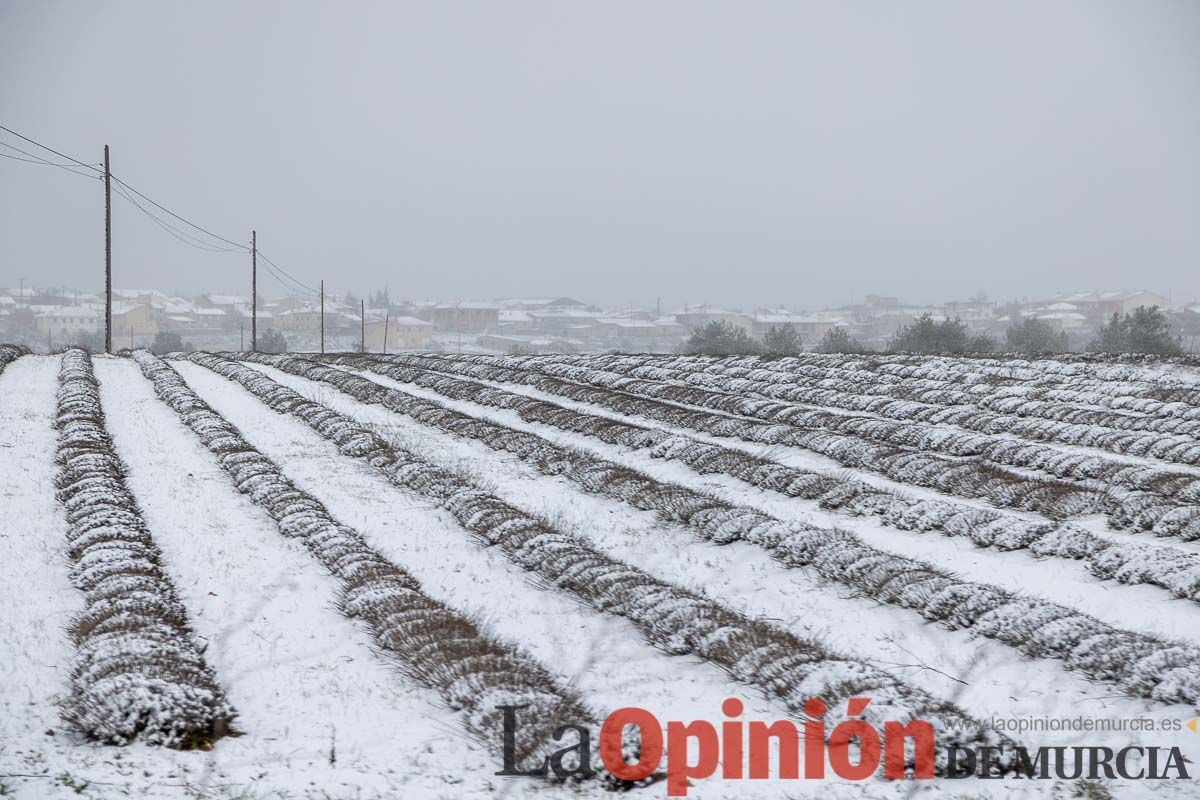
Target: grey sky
741 153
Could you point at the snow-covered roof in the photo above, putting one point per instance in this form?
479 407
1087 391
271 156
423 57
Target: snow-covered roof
564 312
1061 315
785 319
1105 296
228 299
67 311
403 322
208 312
479 305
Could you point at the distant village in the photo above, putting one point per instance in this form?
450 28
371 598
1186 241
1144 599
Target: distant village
49 318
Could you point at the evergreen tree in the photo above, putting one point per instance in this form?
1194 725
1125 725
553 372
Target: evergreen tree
1033 336
720 338
272 342
838 340
166 342
1146 330
782 341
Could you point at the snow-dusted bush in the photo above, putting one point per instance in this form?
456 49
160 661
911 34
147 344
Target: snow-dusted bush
911 453
964 477
10 353
1140 664
429 641
784 665
1175 570
927 379
1169 439
139 672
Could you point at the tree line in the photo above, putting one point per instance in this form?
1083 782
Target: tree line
1143 330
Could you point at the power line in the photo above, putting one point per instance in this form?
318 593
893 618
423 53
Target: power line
51 149
289 288
289 284
35 159
280 274
181 219
288 274
181 235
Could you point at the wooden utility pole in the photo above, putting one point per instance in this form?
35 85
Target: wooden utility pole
107 255
387 321
242 338
322 317
253 292
362 310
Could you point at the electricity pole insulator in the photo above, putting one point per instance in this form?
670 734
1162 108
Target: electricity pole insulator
107 255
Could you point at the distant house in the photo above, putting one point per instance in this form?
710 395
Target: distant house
1105 304
64 322
699 316
465 317
133 324
229 303
542 303
403 333
562 321
301 318
809 328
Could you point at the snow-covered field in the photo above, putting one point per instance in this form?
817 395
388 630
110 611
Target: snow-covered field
362 556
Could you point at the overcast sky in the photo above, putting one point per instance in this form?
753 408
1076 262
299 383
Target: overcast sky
744 154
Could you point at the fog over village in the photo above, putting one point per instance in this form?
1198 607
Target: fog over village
49 318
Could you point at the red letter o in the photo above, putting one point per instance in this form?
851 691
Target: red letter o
651 750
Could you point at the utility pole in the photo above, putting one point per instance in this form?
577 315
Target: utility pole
242 338
362 310
253 294
387 321
322 317
107 255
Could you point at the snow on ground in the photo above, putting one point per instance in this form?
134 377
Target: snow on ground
37 601
604 656
999 681
807 459
1063 581
308 687
324 717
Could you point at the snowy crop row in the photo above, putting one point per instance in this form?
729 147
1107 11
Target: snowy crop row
140 672
10 353
928 380
430 642
1167 438
1174 570
784 665
1139 664
1151 370
962 477
919 435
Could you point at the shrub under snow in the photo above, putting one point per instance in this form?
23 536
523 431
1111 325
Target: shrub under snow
429 641
782 664
1140 664
139 672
